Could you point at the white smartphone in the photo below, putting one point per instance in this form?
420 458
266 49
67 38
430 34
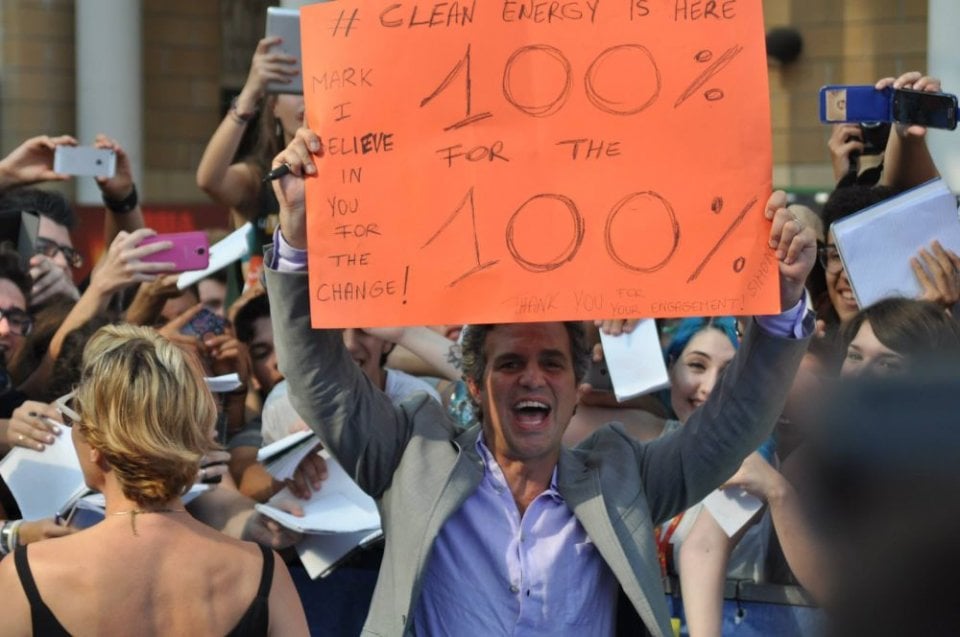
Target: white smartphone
85 161
286 24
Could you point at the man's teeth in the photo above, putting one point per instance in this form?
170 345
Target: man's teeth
531 404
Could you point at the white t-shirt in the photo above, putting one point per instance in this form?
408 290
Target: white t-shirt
280 419
401 385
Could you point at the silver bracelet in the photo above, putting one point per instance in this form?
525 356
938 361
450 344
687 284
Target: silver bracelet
5 532
14 537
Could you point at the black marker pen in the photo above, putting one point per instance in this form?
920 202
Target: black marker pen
277 173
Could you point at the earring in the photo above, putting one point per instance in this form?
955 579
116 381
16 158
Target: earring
279 130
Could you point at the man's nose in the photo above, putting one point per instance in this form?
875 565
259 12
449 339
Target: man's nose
532 376
5 326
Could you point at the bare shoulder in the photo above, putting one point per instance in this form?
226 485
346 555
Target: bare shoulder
16 608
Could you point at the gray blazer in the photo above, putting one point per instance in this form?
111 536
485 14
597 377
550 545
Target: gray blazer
421 468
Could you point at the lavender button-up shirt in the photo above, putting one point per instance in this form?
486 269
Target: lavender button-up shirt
495 572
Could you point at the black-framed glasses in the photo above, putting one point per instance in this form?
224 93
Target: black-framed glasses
829 257
20 322
49 248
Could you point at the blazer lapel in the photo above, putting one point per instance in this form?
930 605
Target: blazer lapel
579 483
463 479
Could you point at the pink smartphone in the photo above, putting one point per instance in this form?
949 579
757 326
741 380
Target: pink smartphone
190 250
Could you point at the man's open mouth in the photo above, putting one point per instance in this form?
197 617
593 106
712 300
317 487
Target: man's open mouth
531 413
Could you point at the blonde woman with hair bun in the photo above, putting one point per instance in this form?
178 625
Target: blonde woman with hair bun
141 419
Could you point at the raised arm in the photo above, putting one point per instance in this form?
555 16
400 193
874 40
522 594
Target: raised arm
227 183
32 162
356 421
120 196
120 267
907 161
681 468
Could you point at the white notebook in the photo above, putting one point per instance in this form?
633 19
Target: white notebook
877 243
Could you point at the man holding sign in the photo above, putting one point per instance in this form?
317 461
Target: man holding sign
499 529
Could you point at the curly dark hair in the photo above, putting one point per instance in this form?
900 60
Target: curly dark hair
475 362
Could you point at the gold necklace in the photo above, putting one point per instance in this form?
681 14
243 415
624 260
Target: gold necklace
133 513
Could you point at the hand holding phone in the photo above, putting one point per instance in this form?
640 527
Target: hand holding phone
285 24
190 250
85 161
868 104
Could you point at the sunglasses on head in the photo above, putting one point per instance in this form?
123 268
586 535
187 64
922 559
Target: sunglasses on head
70 417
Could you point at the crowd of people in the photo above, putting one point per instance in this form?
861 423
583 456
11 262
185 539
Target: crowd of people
514 498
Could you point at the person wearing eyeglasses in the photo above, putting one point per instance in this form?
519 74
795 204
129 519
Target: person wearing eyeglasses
54 257
937 268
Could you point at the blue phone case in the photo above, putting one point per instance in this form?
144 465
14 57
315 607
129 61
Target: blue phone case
841 104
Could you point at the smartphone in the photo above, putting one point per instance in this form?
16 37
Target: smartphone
205 322
85 161
840 104
190 251
285 23
935 110
598 377
874 136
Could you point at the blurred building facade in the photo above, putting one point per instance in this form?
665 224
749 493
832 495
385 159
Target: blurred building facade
195 53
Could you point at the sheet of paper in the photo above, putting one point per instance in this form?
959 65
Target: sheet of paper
233 247
223 384
732 508
43 481
321 554
340 506
326 513
484 162
876 244
635 361
282 457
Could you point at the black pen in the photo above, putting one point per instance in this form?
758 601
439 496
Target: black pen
277 173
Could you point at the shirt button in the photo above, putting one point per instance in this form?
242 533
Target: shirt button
514 588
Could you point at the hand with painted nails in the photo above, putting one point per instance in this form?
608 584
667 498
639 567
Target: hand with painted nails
33 425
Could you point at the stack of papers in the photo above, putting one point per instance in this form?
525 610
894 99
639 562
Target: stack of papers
876 244
282 457
338 519
44 482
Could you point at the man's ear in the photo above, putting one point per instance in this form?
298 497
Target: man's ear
474 390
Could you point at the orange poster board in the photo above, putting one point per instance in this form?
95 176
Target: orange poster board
529 160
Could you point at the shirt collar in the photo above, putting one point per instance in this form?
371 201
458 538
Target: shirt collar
493 469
